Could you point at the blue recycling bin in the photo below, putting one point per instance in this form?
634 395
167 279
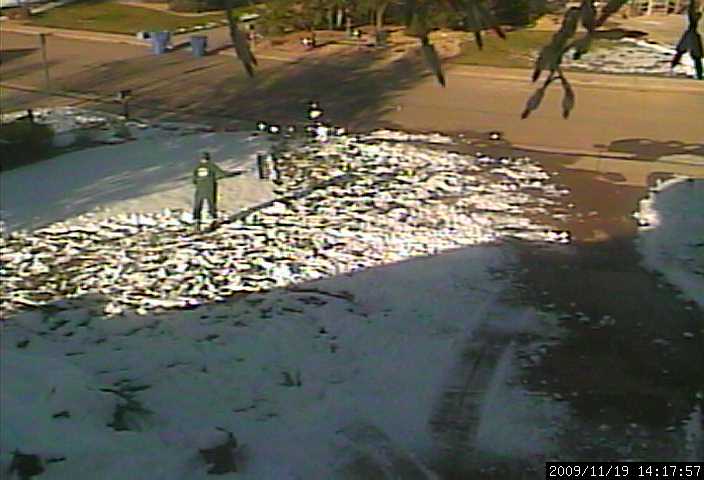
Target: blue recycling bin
199 44
160 40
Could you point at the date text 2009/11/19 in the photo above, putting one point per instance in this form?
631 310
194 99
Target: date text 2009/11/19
625 470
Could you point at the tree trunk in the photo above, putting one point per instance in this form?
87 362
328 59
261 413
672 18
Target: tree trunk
230 23
339 17
331 19
380 16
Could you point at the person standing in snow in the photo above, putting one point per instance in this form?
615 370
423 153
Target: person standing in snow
205 178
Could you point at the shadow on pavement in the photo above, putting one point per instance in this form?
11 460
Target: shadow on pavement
631 364
621 369
352 88
348 87
14 53
645 149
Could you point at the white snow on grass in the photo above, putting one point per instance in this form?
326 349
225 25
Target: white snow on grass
368 349
631 56
514 424
141 176
342 205
63 119
671 237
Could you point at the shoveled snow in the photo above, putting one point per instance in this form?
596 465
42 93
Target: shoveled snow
672 234
63 119
410 137
514 424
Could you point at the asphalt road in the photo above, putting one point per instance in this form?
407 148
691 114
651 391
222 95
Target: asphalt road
609 109
604 113
22 61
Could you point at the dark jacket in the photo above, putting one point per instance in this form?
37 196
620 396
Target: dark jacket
205 177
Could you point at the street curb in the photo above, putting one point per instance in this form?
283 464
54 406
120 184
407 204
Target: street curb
629 157
608 81
230 53
98 37
91 37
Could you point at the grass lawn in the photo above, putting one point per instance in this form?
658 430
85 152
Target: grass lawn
112 17
515 51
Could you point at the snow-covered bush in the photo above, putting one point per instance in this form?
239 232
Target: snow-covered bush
23 141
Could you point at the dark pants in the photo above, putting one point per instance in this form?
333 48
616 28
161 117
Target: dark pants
198 205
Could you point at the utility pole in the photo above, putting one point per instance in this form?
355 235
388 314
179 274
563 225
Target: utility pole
42 44
123 97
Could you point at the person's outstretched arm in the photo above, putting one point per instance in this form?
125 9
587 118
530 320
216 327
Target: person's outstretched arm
219 172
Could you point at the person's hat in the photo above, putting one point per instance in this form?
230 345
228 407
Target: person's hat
206 156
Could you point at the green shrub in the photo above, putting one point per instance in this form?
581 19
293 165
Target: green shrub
194 5
23 142
203 5
277 19
513 12
417 27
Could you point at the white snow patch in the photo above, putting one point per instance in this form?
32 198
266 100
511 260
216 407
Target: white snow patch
142 176
672 233
227 367
343 205
514 423
399 136
633 56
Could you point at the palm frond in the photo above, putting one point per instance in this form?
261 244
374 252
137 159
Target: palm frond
432 59
240 42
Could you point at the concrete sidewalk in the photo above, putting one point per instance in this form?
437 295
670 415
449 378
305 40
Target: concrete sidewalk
632 83
19 28
218 39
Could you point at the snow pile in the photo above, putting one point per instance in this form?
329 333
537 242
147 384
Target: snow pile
71 125
63 119
632 56
344 205
409 137
672 234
